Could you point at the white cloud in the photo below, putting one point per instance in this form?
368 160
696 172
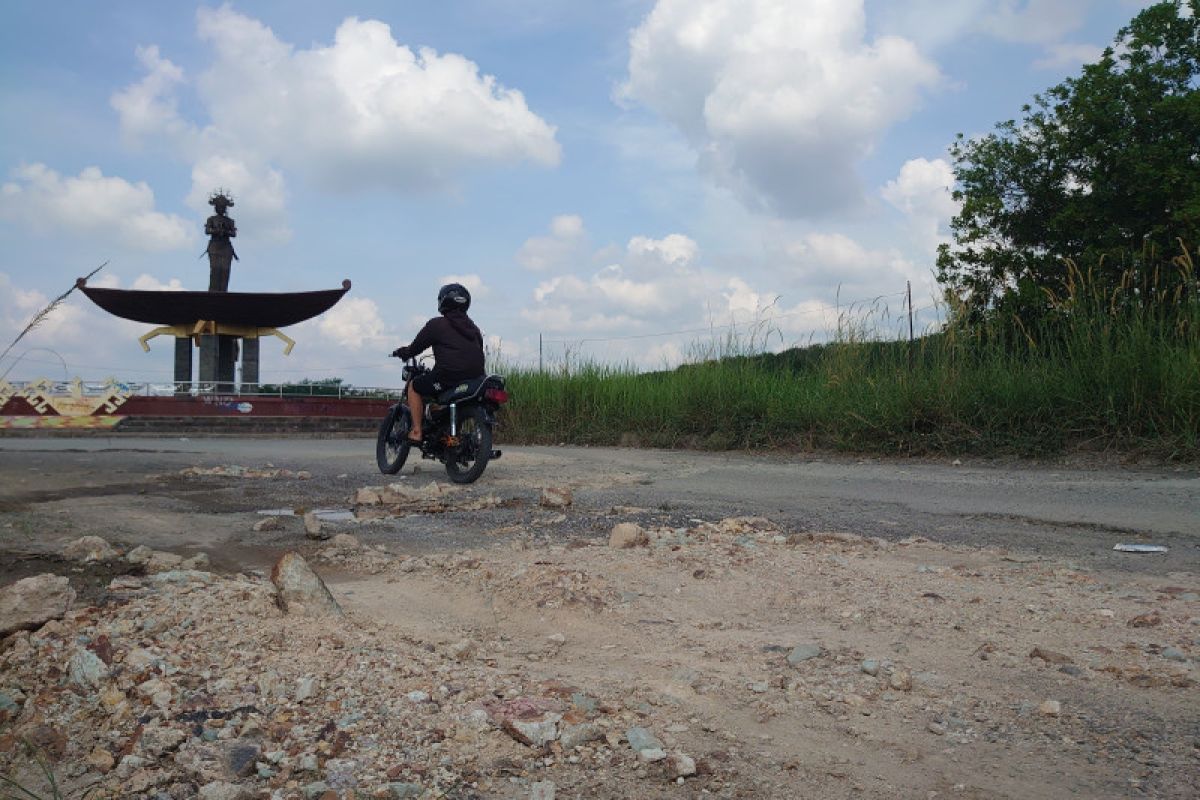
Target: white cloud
674 250
353 323
365 111
1048 23
781 98
1034 21
923 192
834 265
473 282
563 248
90 204
1068 54
145 282
148 108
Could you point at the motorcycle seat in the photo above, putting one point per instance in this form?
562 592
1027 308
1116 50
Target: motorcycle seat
461 391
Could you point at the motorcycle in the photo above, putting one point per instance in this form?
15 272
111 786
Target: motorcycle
457 430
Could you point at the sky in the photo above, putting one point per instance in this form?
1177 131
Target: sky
626 181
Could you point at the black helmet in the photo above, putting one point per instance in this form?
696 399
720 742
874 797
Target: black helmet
453 296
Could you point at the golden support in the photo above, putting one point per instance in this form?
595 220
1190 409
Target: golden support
210 328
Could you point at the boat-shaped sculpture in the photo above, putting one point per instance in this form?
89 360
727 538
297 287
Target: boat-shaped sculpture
259 309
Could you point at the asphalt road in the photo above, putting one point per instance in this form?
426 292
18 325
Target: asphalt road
1031 509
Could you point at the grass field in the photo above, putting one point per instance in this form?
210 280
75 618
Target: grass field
1103 370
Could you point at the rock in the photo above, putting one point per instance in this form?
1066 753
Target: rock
418 696
305 687
200 561
157 740
936 728
316 790
220 790
89 548
1050 708
536 732
139 555
1174 654
1049 656
162 562
301 591
627 534
642 739
347 541
268 524
341 774
651 754
573 736
367 496
86 670
901 681
240 757
405 791
100 760
312 526
1150 619
542 790
803 652
463 650
31 602
130 764
556 497
870 666
680 765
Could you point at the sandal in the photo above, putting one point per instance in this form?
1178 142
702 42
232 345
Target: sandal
411 441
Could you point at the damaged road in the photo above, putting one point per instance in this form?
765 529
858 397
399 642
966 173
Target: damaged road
598 623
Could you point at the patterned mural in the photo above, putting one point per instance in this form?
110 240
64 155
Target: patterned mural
48 399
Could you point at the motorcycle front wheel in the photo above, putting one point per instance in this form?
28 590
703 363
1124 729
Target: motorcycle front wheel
465 463
391 445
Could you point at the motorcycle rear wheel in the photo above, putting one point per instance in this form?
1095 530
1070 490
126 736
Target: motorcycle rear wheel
391 445
468 461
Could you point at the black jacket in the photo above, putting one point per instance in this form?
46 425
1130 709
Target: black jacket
457 346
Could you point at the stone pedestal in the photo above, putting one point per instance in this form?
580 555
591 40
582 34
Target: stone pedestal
183 366
218 363
250 365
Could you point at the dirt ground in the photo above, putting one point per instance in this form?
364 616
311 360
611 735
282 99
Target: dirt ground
769 653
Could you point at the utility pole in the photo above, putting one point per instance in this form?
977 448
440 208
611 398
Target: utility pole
908 292
540 368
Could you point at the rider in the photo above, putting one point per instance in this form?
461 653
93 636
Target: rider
457 352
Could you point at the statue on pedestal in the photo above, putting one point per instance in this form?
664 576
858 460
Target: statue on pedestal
221 254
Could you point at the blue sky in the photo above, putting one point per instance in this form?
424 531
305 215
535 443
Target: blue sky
592 170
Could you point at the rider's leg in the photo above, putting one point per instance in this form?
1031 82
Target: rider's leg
416 404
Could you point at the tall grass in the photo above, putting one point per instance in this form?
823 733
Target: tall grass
1104 367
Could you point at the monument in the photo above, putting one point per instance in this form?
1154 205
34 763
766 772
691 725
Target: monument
220 230
223 325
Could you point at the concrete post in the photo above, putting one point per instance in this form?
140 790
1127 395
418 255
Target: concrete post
183 366
208 361
227 349
250 365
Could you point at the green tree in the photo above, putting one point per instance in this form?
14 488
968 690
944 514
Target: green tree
1103 168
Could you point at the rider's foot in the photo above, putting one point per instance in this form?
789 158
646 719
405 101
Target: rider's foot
414 438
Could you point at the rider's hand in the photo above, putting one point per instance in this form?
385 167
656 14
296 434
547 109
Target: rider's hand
401 352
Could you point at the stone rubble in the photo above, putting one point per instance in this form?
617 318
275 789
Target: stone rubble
31 602
190 685
87 549
193 685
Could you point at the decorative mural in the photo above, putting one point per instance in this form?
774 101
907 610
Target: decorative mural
47 398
